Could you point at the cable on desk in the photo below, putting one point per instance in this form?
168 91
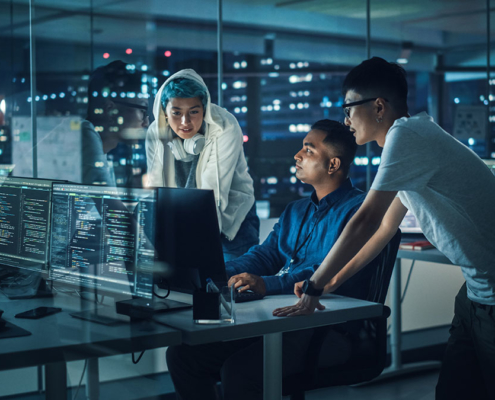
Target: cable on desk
168 289
80 380
134 361
405 288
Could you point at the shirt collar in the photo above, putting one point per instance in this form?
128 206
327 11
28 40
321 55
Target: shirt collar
333 197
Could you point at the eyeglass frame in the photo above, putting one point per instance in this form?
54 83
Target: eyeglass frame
144 109
346 107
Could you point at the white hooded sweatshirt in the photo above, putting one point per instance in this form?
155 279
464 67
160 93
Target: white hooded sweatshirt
221 167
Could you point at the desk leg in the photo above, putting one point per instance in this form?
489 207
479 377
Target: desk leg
56 381
272 366
396 334
92 380
396 367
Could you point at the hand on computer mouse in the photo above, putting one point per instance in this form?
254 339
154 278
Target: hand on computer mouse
243 282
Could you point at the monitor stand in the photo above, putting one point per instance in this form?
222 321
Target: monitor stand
145 308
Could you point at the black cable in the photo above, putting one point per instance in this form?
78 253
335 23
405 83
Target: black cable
405 288
80 380
407 282
168 290
134 361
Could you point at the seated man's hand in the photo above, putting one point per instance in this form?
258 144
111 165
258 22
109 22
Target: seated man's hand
249 282
305 306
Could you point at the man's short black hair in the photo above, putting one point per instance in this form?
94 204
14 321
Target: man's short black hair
379 78
340 139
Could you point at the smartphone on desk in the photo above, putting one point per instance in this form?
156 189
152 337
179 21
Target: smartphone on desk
39 312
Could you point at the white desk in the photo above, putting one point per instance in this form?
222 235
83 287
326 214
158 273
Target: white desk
397 368
256 319
60 338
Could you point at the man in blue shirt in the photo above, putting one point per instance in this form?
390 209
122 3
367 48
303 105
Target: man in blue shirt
293 251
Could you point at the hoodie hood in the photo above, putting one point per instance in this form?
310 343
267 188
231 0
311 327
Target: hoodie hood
159 113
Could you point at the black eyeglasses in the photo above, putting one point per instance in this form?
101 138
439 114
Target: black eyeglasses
346 107
144 109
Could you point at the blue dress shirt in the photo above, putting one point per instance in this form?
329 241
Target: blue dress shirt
303 236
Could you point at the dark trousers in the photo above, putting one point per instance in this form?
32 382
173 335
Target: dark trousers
468 368
238 364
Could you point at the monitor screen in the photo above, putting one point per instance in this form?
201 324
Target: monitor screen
102 238
410 224
24 221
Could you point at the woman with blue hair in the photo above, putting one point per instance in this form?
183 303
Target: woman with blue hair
196 144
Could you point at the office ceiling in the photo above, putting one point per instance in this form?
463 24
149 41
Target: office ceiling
459 16
303 29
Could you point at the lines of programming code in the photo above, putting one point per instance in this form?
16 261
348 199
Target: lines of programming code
103 237
9 220
35 205
120 236
24 221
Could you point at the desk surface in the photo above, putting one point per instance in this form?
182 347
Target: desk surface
60 337
430 255
256 319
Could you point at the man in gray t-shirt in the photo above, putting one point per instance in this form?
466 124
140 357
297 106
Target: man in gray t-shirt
452 194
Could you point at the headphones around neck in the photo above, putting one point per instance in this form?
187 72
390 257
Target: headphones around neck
185 150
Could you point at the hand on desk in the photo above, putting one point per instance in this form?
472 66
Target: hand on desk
305 306
249 282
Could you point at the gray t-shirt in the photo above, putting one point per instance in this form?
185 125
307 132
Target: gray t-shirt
450 191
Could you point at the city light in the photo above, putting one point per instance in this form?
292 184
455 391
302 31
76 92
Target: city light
106 55
168 53
293 179
272 180
471 141
245 138
3 106
456 100
128 51
239 84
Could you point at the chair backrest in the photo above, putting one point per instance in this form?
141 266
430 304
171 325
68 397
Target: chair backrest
381 278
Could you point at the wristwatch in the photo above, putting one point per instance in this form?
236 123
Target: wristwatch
309 289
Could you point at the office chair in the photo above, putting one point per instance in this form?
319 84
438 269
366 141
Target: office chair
369 352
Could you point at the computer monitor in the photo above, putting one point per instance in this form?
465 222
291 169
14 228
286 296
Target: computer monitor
24 222
188 238
102 238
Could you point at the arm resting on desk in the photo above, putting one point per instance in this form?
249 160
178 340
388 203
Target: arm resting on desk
363 238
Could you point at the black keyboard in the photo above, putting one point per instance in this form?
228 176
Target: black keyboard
242 297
